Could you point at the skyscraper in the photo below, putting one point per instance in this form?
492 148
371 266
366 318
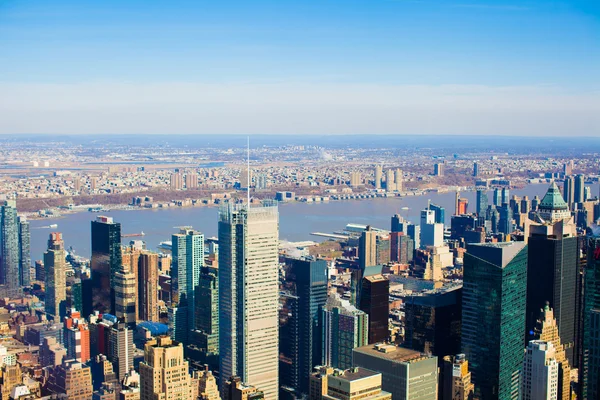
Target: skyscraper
455 379
188 259
164 372
248 293
120 349
367 248
9 247
482 201
540 372
432 233
505 195
399 180
553 268
390 181
344 328
439 212
206 323
148 287
579 189
56 278
306 279
569 190
475 169
493 316
399 224
374 301
497 197
24 252
402 248
590 381
378 175
105 262
125 296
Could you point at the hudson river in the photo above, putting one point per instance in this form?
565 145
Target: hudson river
296 220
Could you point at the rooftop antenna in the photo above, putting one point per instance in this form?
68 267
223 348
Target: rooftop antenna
248 171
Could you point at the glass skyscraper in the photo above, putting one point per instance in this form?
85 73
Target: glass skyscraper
9 248
493 316
188 260
590 384
24 252
374 301
248 294
482 201
106 262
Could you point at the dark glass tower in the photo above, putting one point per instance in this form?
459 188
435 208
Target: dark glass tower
306 285
24 252
9 248
205 337
433 322
493 316
106 262
590 384
482 201
374 301
440 213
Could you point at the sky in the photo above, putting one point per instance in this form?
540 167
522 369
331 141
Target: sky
404 67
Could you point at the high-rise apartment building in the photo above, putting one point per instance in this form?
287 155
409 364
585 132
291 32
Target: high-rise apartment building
188 259
176 181
406 374
77 337
147 282
433 321
306 280
105 263
439 213
345 327
455 379
390 180
399 180
71 378
540 372
367 248
164 372
191 181
402 248
374 301
9 248
553 269
378 176
493 316
248 294
24 252
125 287
121 349
56 279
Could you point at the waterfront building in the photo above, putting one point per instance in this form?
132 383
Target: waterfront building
176 182
406 374
390 181
438 169
350 384
433 321
493 316
248 294
106 261
56 278
24 252
306 279
553 269
164 372
9 248
399 180
540 379
462 205
399 224
378 176
345 327
374 301
455 379
188 260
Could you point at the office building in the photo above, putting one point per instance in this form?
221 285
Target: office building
406 374
289 338
374 301
235 389
207 385
345 327
125 287
56 278
455 379
105 263
402 248
188 260
248 294
432 233
378 176
9 248
414 232
505 222
590 377
438 169
24 252
350 384
493 316
164 372
71 378
505 195
102 371
147 292
579 189
461 206
399 224
553 269
52 353
205 342
475 170
439 213
77 337
367 248
546 330
306 279
121 349
433 321
497 199
540 372
482 201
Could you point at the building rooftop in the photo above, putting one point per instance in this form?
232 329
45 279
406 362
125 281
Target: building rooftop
392 352
354 374
553 199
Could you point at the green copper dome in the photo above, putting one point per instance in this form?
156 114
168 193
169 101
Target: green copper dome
553 200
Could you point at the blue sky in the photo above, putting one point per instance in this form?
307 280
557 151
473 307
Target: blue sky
328 66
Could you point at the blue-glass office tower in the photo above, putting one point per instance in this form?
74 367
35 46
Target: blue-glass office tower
505 195
399 224
497 197
204 339
414 232
590 384
493 317
9 248
188 260
105 263
24 252
505 224
482 201
440 213
305 285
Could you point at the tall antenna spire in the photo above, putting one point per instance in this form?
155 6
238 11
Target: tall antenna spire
248 171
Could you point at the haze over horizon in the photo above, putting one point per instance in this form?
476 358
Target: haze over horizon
527 68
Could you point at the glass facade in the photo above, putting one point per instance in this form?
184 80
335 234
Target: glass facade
591 324
105 263
374 301
9 247
493 316
24 252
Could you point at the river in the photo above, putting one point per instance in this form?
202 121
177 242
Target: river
296 222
